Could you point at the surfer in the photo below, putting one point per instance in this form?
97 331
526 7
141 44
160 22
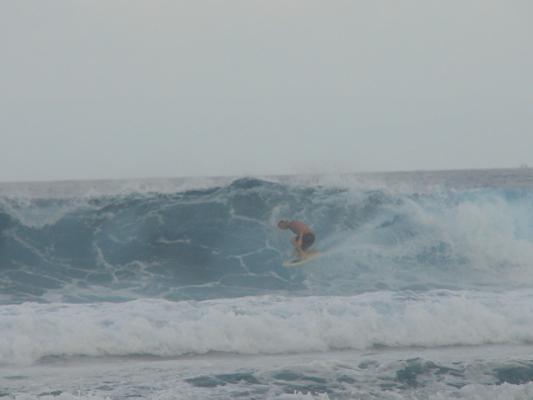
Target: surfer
304 236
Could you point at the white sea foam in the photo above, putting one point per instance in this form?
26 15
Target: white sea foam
468 392
481 232
61 396
264 325
490 231
171 394
505 391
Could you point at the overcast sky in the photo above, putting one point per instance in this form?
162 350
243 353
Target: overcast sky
160 88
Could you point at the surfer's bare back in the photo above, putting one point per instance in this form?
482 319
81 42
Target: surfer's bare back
304 236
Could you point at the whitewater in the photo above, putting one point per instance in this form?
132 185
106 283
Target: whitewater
175 289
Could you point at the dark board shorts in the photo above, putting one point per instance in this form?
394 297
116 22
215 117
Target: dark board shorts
307 240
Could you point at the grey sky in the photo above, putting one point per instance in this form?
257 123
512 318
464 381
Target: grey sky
131 88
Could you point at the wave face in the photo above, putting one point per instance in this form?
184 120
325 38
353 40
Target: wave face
222 241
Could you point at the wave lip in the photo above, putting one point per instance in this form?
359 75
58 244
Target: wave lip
264 325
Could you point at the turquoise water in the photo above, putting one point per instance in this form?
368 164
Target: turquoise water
175 288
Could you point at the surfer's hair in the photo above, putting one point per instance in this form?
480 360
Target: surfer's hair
283 224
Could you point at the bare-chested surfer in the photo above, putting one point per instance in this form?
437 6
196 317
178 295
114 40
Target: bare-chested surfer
304 236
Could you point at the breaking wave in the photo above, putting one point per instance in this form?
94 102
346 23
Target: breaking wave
222 241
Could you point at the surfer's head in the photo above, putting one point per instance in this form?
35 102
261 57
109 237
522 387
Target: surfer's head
283 224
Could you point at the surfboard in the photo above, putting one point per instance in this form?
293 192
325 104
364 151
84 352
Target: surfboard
312 254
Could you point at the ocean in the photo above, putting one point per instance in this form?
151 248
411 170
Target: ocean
175 289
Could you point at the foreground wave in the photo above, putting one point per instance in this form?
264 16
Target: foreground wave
265 325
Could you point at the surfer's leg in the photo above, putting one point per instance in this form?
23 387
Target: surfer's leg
297 243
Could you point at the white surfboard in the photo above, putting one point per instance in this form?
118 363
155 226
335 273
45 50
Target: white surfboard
312 254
